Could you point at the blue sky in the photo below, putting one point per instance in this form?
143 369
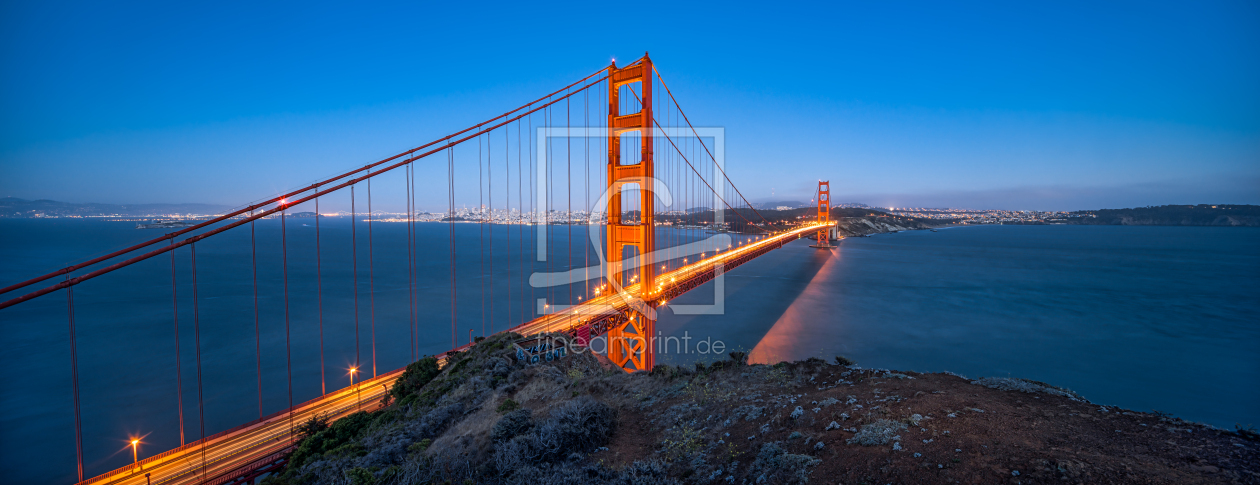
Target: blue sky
1054 106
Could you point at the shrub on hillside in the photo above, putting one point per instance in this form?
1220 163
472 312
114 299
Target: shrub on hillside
338 437
437 420
418 374
577 426
776 465
311 427
580 425
512 424
508 405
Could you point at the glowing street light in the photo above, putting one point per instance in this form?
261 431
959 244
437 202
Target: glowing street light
358 404
135 456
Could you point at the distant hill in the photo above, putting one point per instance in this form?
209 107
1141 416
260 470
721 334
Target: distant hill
22 208
775 204
1172 215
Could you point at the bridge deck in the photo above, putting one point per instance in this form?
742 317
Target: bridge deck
230 456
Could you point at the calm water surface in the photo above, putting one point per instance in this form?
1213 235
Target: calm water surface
1148 318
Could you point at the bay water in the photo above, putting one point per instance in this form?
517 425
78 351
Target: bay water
1146 318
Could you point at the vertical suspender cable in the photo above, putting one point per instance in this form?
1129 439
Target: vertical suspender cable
533 217
371 276
548 201
489 227
74 378
568 183
354 261
179 385
507 208
481 236
253 256
411 275
586 183
201 403
520 204
319 296
288 354
416 252
450 195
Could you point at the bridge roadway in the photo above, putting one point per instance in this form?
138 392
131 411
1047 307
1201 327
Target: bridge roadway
240 454
673 283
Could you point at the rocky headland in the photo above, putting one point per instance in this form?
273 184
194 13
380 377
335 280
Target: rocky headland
488 418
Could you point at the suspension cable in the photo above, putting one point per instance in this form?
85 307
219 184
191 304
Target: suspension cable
488 223
201 402
288 352
371 280
702 177
481 233
253 258
415 154
354 261
411 274
179 385
272 200
702 144
74 374
319 292
450 219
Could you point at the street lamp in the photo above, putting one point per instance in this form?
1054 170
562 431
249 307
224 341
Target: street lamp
357 403
135 457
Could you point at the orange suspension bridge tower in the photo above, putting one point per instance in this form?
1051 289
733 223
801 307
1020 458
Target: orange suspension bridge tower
824 215
629 337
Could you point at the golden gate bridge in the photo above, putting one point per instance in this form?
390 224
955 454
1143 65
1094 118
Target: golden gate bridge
654 169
